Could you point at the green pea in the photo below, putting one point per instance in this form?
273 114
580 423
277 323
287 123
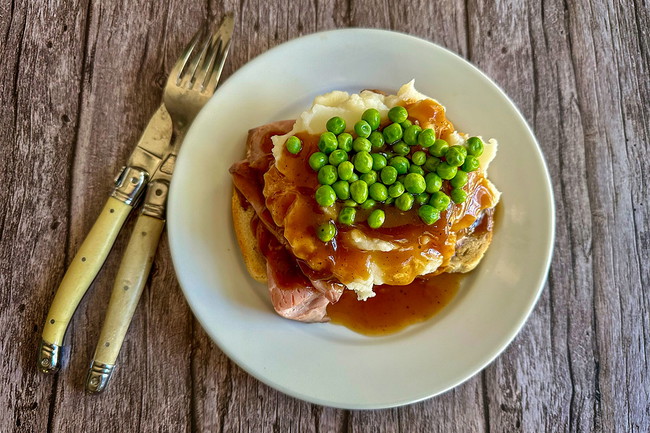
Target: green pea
347 215
400 163
415 183
419 158
362 128
475 146
389 201
388 175
353 178
378 161
325 195
411 135
439 148
434 182
342 189
326 232
456 156
327 142
373 118
459 180
368 204
416 169
359 191
458 195
432 163
471 163
422 198
401 148
376 218
361 144
363 162
405 124
376 139
398 114
369 178
404 202
317 160
428 214
396 189
338 156
345 170
427 137
293 145
350 203
392 133
439 200
335 125
345 142
327 175
401 178
378 191
446 171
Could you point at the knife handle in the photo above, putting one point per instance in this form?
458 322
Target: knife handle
78 277
129 283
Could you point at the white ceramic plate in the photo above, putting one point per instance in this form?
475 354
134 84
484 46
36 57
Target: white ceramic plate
325 363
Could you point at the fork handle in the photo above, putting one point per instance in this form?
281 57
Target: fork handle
78 278
129 283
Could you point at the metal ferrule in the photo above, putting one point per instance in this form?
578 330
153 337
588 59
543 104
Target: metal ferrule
49 357
98 377
155 201
130 184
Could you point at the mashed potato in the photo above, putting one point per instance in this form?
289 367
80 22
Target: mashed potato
350 107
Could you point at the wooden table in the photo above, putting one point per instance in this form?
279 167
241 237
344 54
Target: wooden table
80 80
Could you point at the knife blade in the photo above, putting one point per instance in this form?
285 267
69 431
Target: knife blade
142 165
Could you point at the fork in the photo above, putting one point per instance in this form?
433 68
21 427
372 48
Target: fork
192 81
194 78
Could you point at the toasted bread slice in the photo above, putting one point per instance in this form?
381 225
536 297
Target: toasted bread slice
242 217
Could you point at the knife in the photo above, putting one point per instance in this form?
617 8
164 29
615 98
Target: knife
142 165
131 276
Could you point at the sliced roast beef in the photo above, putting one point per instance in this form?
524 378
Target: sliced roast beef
292 294
326 284
297 292
259 144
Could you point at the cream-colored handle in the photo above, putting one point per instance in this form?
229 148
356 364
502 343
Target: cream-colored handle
83 269
129 283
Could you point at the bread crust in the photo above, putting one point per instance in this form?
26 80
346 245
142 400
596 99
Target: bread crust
242 217
469 252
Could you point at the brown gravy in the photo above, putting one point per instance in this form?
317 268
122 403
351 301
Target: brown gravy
395 307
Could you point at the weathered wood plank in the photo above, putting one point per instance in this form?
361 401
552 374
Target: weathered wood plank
578 72
40 78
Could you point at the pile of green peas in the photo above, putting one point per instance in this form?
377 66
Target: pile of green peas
401 165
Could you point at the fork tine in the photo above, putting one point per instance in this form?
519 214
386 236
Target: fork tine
188 77
216 69
177 70
215 50
213 70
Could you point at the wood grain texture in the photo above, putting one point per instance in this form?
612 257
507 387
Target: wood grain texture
80 80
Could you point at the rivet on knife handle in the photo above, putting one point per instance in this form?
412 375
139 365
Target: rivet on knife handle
78 277
129 283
